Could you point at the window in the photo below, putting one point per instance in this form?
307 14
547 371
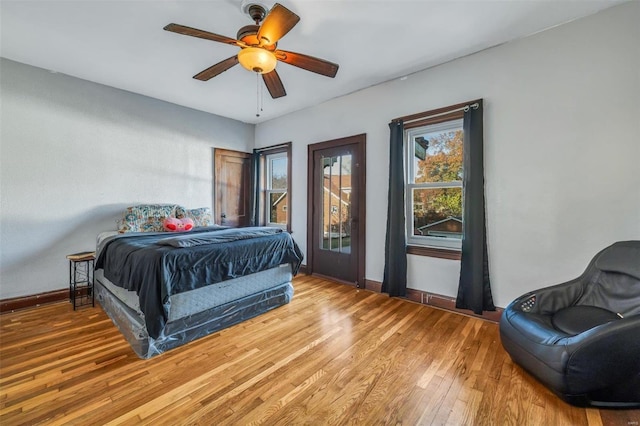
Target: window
275 191
434 182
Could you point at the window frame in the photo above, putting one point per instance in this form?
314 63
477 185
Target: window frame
264 189
426 245
267 188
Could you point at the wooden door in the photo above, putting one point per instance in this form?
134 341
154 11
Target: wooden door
336 209
232 186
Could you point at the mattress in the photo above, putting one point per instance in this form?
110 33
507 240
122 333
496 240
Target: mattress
160 265
198 300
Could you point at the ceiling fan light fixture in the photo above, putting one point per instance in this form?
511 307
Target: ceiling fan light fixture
257 59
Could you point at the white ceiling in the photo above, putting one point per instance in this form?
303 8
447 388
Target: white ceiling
122 43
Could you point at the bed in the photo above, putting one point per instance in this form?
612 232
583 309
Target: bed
163 290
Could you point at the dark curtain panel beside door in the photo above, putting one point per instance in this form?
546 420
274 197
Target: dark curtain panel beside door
395 252
474 290
255 189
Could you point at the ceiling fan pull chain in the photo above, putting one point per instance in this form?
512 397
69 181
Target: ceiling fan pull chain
257 95
261 94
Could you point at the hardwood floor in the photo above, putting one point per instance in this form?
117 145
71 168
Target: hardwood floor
334 355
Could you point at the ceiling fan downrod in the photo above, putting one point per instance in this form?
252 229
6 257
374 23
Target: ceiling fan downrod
257 13
256 9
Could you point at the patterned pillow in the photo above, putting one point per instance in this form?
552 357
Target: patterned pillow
147 217
201 216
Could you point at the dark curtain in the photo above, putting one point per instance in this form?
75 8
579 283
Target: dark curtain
474 290
255 189
395 251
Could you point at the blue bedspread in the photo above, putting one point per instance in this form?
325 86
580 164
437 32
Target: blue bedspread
150 265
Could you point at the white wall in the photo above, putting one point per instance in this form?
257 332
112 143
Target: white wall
562 149
74 154
562 144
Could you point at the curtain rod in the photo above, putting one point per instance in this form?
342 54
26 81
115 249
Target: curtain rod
440 111
269 148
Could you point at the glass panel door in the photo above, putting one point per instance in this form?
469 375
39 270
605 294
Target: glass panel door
335 235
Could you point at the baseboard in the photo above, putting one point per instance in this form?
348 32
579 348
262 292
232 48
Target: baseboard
373 286
23 302
437 301
419 296
303 270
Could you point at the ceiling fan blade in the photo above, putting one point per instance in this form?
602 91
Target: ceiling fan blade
278 22
274 84
216 69
309 63
194 32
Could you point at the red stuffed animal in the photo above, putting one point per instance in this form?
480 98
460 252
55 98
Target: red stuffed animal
172 224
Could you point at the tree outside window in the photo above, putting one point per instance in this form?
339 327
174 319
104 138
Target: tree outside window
434 188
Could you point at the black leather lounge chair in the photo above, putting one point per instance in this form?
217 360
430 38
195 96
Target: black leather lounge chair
582 338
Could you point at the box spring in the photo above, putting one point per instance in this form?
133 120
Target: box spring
196 313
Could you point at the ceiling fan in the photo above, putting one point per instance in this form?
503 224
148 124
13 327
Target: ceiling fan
258 47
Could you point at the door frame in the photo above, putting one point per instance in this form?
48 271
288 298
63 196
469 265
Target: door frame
361 142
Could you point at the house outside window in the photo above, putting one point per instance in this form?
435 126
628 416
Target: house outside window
434 184
276 189
336 216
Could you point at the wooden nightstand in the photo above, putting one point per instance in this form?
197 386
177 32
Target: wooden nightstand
81 278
